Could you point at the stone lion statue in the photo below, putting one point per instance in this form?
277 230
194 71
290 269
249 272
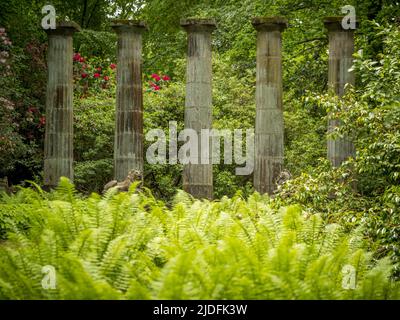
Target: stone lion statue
133 175
284 176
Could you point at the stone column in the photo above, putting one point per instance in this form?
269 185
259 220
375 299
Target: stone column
128 142
268 162
58 142
198 178
341 48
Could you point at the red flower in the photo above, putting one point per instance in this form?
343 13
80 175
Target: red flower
113 66
96 75
84 75
166 78
155 77
98 69
81 59
42 120
77 57
152 84
106 78
156 88
32 110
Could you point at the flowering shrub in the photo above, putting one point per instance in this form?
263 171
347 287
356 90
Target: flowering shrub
156 82
22 117
5 45
10 141
93 74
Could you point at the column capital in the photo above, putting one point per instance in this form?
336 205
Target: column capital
269 23
120 25
66 28
198 24
335 24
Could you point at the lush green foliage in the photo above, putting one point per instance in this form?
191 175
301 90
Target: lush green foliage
94 127
130 245
371 116
100 44
21 112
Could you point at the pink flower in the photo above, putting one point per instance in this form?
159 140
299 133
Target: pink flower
84 75
81 59
96 75
2 30
166 78
98 69
156 77
156 88
42 120
77 56
113 66
106 78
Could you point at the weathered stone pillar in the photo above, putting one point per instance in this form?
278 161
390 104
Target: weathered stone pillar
198 178
268 162
341 48
58 142
128 143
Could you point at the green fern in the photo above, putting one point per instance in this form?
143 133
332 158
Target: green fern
132 246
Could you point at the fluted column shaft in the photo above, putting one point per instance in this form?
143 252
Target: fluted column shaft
128 143
198 178
268 162
58 143
341 49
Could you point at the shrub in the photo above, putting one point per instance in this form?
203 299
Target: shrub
93 142
21 108
23 86
370 114
94 76
92 175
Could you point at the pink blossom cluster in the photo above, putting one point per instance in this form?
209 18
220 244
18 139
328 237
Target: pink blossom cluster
5 44
4 38
157 81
